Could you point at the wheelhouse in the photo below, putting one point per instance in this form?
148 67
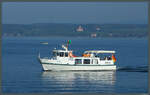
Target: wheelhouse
60 53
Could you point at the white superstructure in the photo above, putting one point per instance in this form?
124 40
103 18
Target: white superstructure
66 60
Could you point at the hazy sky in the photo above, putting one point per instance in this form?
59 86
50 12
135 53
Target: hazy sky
75 12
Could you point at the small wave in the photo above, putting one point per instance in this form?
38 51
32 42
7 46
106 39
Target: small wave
133 69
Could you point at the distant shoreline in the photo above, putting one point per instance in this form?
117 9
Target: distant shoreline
75 30
78 37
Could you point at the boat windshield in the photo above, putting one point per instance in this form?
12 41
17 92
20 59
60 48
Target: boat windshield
66 54
104 56
60 54
54 54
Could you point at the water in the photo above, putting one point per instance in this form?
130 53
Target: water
22 73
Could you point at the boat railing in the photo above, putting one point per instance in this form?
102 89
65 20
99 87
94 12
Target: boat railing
71 58
46 58
53 58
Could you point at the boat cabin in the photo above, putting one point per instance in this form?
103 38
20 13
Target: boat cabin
88 57
63 53
60 53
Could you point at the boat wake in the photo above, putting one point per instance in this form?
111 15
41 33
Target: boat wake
133 69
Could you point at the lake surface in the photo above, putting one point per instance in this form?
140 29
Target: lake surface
22 73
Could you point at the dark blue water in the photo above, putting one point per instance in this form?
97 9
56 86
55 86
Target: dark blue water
22 73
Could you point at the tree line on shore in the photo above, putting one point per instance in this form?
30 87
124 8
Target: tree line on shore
70 30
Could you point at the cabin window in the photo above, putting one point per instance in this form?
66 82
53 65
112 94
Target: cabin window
94 61
86 61
66 54
78 61
54 54
58 54
61 54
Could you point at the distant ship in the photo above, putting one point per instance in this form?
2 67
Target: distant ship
65 60
45 43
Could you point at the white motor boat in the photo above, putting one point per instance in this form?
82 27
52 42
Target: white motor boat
65 60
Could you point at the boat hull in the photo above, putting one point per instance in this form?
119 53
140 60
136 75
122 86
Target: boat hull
64 67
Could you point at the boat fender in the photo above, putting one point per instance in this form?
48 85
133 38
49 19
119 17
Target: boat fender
71 55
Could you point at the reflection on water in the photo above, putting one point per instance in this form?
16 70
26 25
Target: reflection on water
75 81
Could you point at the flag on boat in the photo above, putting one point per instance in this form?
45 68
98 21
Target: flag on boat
113 58
69 41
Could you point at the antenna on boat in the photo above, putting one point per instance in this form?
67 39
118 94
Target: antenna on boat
39 55
65 47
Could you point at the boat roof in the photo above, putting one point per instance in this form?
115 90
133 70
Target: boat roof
99 51
62 50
